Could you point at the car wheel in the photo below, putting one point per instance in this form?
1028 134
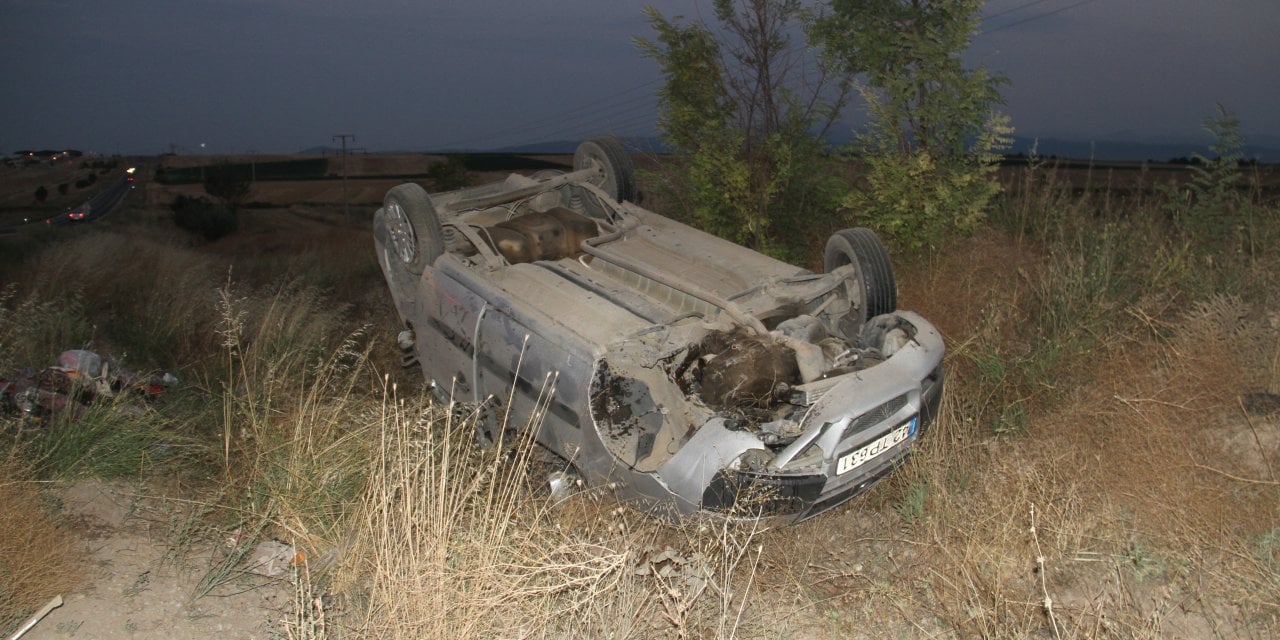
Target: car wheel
413 227
615 172
398 276
862 247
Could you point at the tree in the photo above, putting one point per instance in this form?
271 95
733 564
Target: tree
1209 208
744 108
933 138
450 174
41 193
228 183
202 217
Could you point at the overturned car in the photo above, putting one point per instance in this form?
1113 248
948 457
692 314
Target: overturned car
690 372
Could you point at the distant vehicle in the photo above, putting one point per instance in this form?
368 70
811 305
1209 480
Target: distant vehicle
80 213
689 372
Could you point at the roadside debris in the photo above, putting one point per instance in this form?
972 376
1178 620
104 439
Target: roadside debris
562 485
37 617
79 379
273 558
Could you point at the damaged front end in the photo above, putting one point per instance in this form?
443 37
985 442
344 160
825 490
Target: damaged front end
784 419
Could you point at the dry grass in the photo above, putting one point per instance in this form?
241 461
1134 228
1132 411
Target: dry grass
1136 500
144 299
38 555
296 415
458 541
456 528
1092 474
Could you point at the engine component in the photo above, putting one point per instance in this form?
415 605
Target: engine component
746 371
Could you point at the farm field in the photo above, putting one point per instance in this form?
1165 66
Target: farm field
1106 463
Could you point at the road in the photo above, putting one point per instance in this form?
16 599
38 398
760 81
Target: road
97 207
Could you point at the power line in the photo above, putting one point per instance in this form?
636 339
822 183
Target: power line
557 117
1038 16
1015 9
616 123
603 115
346 206
617 115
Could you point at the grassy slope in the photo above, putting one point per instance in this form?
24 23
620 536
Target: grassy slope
1092 474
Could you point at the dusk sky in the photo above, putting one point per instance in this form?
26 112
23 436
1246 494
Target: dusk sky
278 76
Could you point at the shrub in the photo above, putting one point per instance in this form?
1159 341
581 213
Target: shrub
228 183
207 219
745 119
933 137
450 174
917 199
1210 209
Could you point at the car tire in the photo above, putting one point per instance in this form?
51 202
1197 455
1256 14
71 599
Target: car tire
615 173
396 272
862 247
413 227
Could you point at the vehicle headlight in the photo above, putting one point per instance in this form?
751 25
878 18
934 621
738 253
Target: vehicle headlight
811 458
752 460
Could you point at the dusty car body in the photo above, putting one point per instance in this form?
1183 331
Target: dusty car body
691 373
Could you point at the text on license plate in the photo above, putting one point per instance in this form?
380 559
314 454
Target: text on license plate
858 457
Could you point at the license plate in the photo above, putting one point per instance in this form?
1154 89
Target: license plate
859 457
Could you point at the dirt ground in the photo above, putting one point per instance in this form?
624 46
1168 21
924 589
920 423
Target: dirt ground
141 569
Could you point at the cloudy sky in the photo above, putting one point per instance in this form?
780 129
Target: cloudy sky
137 76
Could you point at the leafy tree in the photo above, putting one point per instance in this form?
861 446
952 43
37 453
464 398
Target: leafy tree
744 106
933 138
450 174
207 219
62 189
1209 207
228 183
41 194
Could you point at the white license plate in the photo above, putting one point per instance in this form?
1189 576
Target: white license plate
859 457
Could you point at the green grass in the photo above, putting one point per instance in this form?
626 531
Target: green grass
106 440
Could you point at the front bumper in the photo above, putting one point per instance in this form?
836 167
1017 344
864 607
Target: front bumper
850 418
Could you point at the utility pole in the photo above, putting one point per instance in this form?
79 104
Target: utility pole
253 166
346 208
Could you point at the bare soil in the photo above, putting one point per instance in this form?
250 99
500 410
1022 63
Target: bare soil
141 565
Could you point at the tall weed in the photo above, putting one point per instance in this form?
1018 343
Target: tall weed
455 544
295 427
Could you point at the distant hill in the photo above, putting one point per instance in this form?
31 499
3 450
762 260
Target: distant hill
642 144
1265 150
1116 147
